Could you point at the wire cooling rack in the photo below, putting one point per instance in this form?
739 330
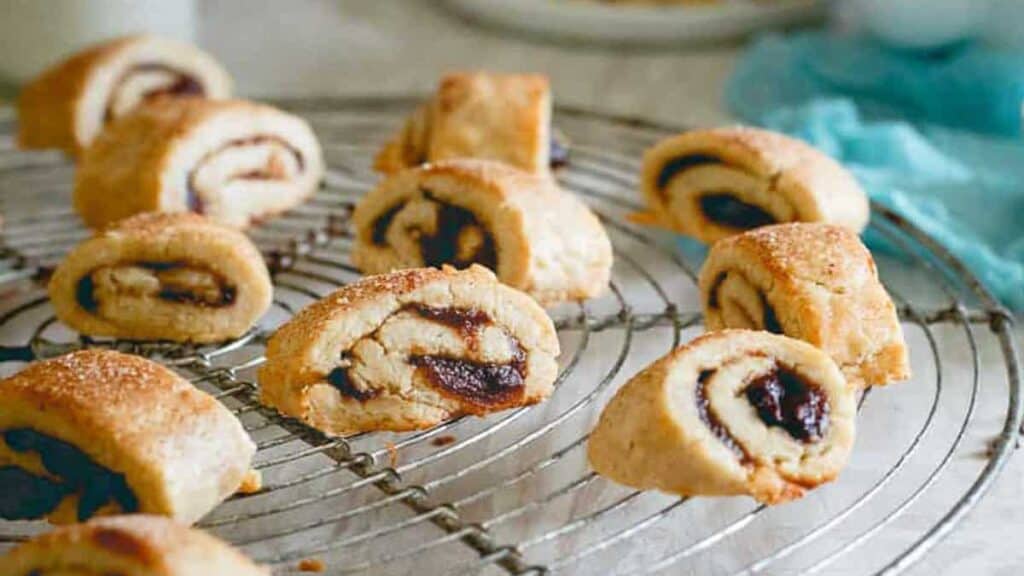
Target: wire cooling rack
511 493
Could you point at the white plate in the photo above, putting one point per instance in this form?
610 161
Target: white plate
590 21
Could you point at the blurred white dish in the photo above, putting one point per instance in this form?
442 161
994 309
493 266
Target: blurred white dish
582 20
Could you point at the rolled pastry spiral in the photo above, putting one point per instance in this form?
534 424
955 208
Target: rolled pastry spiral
139 544
157 276
711 184
731 413
408 350
502 117
233 161
813 282
98 432
69 104
535 236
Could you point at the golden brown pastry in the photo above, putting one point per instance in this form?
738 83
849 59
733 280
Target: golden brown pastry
98 432
136 545
71 102
732 412
159 276
234 161
710 184
408 350
814 282
504 117
535 236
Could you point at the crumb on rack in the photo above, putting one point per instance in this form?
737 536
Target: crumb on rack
312 565
443 440
252 482
392 453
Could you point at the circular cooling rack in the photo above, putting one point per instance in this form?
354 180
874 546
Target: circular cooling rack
512 493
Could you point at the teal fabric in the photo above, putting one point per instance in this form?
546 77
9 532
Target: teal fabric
935 137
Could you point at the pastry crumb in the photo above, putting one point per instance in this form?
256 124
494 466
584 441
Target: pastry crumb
392 453
252 482
312 565
443 440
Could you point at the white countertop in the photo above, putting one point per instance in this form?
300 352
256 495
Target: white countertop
361 47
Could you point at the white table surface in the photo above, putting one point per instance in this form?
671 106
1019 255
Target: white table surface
361 47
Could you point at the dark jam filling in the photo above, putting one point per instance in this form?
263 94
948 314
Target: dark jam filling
78 474
708 416
782 398
558 152
486 384
770 321
681 164
184 85
727 210
443 247
340 379
466 320
195 203
381 225
85 292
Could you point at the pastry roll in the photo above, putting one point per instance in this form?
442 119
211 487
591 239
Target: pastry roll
731 413
232 160
139 545
710 184
535 236
814 282
68 105
504 117
160 276
98 432
408 350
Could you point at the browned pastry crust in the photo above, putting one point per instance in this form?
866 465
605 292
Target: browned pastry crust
408 350
537 237
815 282
234 161
159 276
67 106
711 184
504 117
137 545
180 452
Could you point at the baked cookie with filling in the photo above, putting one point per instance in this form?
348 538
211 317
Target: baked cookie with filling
409 350
736 412
157 276
503 117
68 105
235 162
535 236
813 282
139 545
711 184
98 432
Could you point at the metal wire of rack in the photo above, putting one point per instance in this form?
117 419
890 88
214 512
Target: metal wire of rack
511 494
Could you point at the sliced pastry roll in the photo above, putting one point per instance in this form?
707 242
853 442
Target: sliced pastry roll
814 282
136 545
234 161
98 432
535 236
504 117
710 184
160 276
408 350
69 104
731 413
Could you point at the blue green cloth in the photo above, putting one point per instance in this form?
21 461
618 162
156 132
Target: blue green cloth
936 137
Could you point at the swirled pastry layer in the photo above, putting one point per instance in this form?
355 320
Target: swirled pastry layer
408 350
535 236
710 184
161 276
732 412
503 117
814 282
233 161
139 545
70 103
100 432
